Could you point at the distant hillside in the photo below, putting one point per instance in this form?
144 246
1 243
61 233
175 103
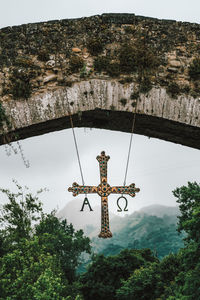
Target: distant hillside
160 210
87 220
151 227
143 229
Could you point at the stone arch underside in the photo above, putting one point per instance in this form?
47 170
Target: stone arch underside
98 104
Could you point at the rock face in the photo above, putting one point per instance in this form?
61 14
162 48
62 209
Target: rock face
102 70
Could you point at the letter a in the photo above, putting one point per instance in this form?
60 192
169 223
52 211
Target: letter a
86 202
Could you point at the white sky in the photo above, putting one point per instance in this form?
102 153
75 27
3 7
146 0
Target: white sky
15 12
157 167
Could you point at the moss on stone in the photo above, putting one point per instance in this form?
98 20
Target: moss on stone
113 69
135 95
123 101
95 46
101 63
126 80
104 63
129 30
76 63
145 85
127 59
25 62
20 84
173 89
134 103
3 117
138 57
194 69
43 55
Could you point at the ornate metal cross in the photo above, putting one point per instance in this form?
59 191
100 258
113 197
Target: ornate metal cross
104 190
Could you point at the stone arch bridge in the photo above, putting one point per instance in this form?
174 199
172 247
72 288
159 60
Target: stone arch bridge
102 70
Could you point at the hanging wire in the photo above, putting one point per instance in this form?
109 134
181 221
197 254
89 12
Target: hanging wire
76 145
72 125
130 144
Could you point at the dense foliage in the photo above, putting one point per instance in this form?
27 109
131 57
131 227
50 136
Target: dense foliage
104 275
176 277
39 252
39 256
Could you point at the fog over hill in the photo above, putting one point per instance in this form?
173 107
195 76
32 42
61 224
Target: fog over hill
90 221
160 210
80 219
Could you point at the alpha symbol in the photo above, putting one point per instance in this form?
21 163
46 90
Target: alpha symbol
103 190
86 202
126 204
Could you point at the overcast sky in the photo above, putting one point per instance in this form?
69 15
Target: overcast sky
15 12
156 166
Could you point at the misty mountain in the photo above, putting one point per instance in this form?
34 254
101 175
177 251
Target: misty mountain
151 227
160 210
86 220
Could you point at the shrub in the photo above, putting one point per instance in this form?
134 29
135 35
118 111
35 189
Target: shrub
173 89
113 69
127 58
3 117
137 58
101 63
43 55
145 85
95 46
194 69
20 84
76 63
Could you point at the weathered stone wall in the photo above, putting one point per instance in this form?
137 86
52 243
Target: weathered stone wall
101 69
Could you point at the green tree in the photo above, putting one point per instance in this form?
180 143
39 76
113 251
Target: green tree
18 216
24 271
187 282
189 199
39 252
142 284
176 277
104 275
150 281
62 240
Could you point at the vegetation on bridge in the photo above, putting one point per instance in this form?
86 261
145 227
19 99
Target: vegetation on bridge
151 52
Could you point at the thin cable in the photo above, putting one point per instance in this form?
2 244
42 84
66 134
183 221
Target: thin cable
130 144
72 125
76 146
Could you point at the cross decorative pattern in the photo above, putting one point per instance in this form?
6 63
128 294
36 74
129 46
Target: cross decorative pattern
103 190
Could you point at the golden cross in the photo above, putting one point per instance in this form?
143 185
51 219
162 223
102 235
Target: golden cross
103 190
